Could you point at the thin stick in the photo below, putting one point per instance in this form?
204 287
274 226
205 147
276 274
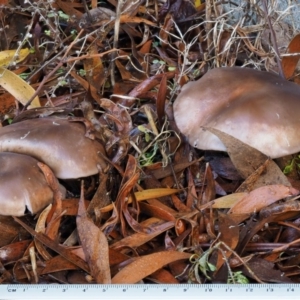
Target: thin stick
273 38
116 39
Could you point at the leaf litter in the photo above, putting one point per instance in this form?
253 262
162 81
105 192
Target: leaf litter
160 212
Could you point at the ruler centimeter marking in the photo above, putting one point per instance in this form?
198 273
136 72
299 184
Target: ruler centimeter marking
151 291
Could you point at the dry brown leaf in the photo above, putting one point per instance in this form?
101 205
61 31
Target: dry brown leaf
289 63
125 74
138 239
57 263
146 265
94 244
210 190
80 80
181 207
149 83
247 160
95 16
68 9
95 73
115 257
70 206
41 227
163 276
66 253
146 47
161 205
265 271
229 234
191 194
130 19
161 100
13 252
7 103
262 197
130 179
229 230
155 211
11 231
168 170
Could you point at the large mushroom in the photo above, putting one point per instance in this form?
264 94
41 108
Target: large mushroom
22 185
259 108
59 143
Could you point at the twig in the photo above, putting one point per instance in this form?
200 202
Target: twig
209 25
273 38
116 38
54 70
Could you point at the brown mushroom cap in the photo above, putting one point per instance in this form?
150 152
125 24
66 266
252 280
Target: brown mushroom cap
259 108
60 144
22 185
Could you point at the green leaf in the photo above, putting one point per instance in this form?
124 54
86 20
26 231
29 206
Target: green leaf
289 168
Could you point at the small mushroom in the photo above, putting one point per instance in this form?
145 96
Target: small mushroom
22 185
259 108
60 144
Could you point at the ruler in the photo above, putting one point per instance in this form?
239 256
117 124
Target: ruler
151 291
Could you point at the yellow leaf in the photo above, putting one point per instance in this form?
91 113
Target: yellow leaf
17 87
197 3
7 56
146 194
155 193
228 201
